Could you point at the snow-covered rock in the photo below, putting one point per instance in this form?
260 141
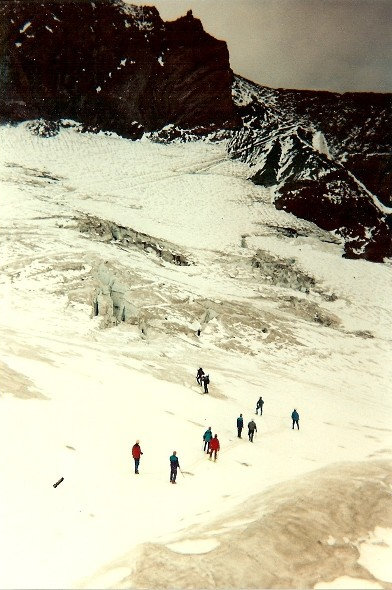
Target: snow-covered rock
296 142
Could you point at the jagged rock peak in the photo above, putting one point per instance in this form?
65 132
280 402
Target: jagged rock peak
112 65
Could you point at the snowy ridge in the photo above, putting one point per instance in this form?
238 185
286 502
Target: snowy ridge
143 16
287 150
99 348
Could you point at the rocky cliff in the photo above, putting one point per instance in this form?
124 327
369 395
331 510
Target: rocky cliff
112 65
329 157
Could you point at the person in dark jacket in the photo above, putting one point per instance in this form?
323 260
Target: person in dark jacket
199 376
214 447
295 418
240 425
136 454
174 465
207 436
251 430
206 380
259 405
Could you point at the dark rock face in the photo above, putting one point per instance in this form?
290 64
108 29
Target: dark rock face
113 65
357 127
375 171
337 203
329 156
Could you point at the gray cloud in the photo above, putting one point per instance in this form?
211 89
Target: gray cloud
338 45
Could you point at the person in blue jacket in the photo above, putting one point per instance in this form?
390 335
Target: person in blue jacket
207 436
240 425
295 418
174 465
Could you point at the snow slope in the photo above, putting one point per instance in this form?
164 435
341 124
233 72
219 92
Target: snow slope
280 316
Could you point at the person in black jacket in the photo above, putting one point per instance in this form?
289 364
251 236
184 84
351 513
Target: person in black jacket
199 376
240 425
259 405
206 380
251 430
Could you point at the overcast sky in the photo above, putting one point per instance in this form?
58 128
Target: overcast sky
338 45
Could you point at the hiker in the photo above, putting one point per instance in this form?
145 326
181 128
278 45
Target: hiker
206 380
199 376
295 418
207 436
240 425
259 405
136 453
251 429
174 465
214 447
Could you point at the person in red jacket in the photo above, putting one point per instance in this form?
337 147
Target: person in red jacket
136 453
214 447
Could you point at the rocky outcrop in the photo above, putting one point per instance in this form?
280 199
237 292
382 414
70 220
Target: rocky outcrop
128 238
357 128
374 171
328 155
337 203
113 65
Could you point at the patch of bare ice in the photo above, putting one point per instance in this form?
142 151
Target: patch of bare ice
195 546
376 554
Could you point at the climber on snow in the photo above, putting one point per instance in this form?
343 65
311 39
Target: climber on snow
295 418
174 465
251 430
199 376
136 454
214 446
207 436
240 425
259 405
206 380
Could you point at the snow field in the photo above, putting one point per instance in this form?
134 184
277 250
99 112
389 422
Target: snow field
75 397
